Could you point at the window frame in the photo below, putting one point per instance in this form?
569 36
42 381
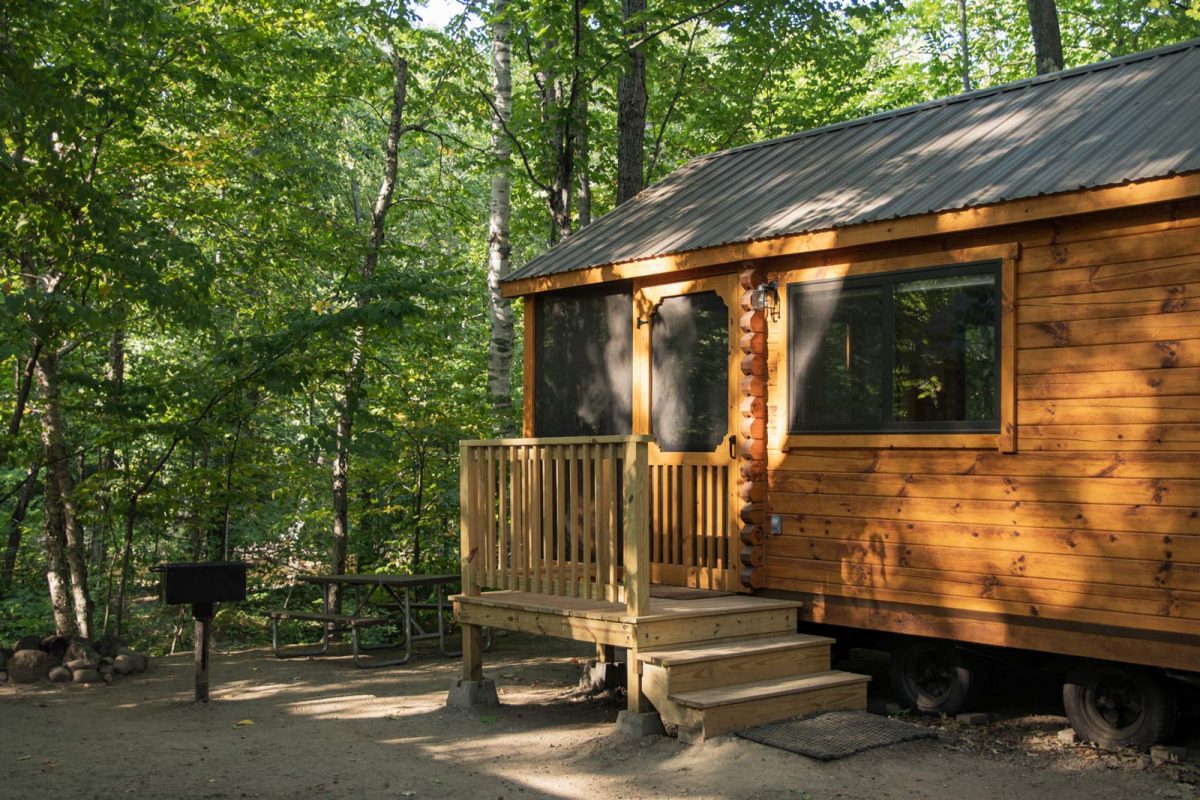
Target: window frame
887 280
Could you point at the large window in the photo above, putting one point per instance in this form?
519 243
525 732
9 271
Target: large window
906 351
583 382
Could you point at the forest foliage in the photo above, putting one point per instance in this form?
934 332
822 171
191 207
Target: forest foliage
186 194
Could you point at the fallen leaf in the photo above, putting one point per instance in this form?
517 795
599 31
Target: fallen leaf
243 723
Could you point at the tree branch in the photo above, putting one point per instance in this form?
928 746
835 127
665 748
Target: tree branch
515 140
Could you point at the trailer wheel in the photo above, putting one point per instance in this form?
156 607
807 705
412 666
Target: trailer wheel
930 676
1118 706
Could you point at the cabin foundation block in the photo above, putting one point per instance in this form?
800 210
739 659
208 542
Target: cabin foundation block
472 694
637 725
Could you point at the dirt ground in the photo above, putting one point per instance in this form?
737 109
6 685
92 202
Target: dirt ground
321 728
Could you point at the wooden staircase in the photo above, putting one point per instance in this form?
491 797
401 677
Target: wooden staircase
718 686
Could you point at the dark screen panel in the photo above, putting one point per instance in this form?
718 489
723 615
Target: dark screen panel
584 377
689 346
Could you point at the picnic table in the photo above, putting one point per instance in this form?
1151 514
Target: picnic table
378 600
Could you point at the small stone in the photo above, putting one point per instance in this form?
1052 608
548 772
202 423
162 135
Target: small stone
87 676
1165 754
59 674
973 718
1141 763
27 643
108 677
123 664
1066 736
30 666
893 708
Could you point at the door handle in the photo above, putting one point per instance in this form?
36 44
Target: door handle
733 447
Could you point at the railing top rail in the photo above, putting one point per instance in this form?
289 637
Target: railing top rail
557 440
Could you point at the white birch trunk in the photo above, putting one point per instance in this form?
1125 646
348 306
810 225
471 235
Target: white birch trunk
500 346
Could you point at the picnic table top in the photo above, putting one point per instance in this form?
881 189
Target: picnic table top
382 579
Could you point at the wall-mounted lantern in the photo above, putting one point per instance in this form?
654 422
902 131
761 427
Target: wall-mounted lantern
765 298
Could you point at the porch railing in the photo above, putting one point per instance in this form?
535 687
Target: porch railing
559 516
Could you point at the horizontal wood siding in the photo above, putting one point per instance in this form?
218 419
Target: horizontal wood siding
1086 540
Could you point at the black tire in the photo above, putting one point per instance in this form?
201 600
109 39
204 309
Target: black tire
1117 705
930 677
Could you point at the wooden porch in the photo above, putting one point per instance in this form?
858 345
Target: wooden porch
557 540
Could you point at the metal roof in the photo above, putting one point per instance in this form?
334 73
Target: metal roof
1129 119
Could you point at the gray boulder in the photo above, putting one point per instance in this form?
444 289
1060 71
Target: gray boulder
27 643
82 650
30 666
59 674
123 664
109 646
87 676
56 645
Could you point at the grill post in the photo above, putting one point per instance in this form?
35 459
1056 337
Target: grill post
203 614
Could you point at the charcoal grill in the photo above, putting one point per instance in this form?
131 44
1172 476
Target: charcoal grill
202 585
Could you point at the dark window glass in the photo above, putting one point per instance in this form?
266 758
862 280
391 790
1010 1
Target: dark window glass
945 368
838 357
689 346
905 351
583 381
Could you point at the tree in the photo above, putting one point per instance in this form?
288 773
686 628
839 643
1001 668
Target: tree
1047 39
631 102
500 346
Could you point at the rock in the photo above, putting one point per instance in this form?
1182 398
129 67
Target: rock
106 660
1066 736
3 659
140 662
109 646
1164 754
105 669
108 677
56 645
123 664
59 674
143 662
893 708
79 663
30 666
27 643
81 650
87 676
973 718
3 676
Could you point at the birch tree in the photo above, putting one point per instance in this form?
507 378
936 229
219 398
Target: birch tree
500 345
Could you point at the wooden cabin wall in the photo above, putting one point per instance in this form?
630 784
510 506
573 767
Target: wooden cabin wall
1086 539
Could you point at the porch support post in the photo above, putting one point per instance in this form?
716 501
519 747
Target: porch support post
637 529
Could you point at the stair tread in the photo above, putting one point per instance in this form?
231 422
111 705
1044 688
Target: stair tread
761 690
712 651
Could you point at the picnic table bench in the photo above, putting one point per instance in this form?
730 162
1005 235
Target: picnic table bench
383 599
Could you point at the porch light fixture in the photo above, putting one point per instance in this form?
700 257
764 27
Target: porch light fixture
765 297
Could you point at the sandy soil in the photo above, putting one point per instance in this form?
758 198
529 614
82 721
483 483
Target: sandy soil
321 728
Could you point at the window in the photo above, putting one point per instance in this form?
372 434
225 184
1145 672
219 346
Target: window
583 364
901 352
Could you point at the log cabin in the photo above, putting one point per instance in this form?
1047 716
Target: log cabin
928 379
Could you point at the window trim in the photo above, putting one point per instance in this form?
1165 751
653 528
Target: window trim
970 434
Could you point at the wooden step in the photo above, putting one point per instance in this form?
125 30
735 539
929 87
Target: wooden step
728 662
711 712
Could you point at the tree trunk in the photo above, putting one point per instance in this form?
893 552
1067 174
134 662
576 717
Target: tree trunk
499 212
59 502
631 107
126 562
352 384
965 44
108 462
583 204
14 527
1047 38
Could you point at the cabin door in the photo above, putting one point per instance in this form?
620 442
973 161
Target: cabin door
685 394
